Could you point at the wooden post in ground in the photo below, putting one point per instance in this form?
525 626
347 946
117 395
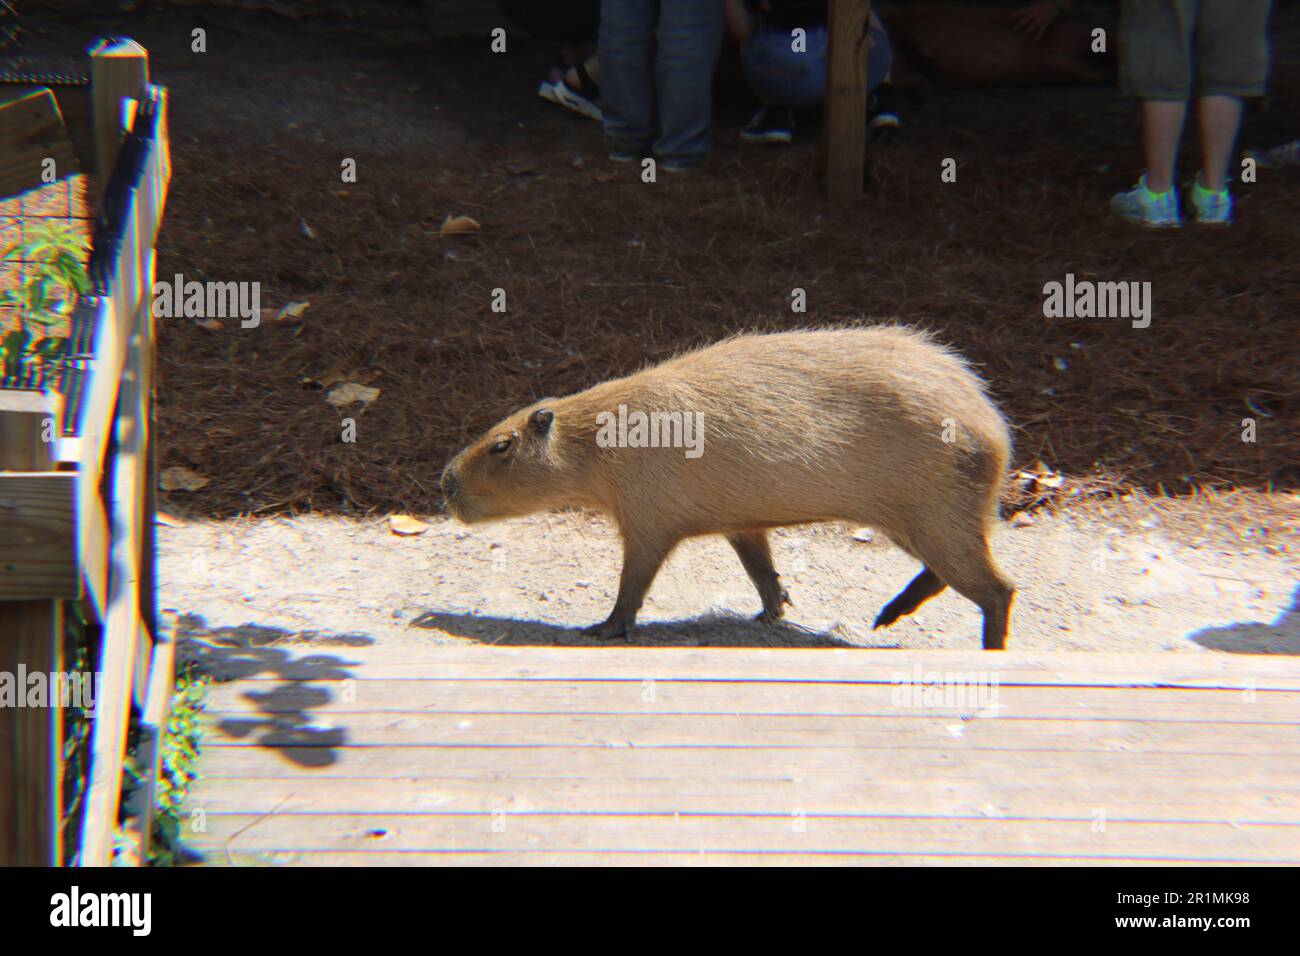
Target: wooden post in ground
119 70
844 127
31 642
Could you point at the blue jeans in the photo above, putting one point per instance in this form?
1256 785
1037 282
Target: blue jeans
656 74
782 78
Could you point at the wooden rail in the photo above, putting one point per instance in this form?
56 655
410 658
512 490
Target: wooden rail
77 514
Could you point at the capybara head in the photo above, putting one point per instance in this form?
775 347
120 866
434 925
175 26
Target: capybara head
515 469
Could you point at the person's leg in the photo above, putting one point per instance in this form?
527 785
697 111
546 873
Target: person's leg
1156 68
1231 62
627 52
1162 127
689 39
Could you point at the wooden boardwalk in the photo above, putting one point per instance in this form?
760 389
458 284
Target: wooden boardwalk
546 755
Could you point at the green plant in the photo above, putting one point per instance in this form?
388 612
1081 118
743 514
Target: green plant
180 751
53 258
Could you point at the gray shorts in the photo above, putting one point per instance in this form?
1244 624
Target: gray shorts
1170 49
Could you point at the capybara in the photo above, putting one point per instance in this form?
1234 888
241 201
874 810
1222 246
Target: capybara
875 426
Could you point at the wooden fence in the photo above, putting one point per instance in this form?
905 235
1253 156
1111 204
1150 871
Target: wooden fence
77 480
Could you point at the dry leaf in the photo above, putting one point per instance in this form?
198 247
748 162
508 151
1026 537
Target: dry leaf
212 325
405 524
458 226
292 311
178 478
350 392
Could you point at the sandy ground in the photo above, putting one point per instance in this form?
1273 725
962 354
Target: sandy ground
1137 583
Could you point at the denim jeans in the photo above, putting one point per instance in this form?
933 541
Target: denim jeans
656 74
782 78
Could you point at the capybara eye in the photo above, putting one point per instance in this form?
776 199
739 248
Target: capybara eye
500 446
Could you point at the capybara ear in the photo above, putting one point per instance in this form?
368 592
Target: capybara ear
540 421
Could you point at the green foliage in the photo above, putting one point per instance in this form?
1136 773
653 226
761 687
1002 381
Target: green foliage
80 650
180 752
53 257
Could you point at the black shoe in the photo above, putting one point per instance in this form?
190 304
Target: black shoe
769 126
882 114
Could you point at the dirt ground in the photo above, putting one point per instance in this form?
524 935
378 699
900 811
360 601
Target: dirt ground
1139 576
603 273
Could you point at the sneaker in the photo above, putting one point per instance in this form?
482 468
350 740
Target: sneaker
882 114
564 95
769 127
1141 205
1211 208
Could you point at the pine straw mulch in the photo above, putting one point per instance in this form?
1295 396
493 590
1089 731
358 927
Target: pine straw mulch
604 274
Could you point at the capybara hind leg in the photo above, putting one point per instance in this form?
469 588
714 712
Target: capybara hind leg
641 560
923 587
997 615
964 563
756 556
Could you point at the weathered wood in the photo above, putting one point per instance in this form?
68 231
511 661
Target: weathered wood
1217 842
631 754
34 547
1207 670
31 132
773 792
122 620
119 70
667 696
844 131
761 730
38 536
153 727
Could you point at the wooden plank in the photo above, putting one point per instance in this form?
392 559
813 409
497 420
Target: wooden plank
328 698
119 70
31 132
295 791
31 738
728 730
723 763
38 536
844 131
122 622
786 665
1211 842
34 533
153 727
92 546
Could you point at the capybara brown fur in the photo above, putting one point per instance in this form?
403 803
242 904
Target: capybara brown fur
874 426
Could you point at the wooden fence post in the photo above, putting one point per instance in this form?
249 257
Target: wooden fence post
31 642
119 69
844 129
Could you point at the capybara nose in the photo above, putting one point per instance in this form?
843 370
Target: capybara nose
450 484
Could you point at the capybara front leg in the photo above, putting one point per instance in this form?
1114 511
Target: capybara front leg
756 556
641 561
923 587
